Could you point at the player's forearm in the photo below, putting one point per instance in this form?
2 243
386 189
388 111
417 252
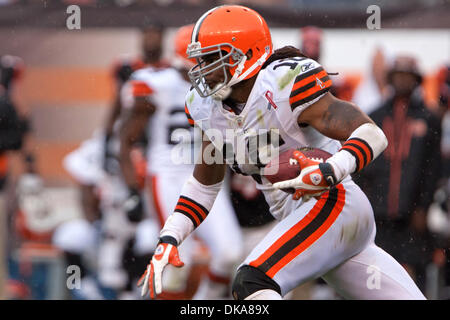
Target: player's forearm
133 127
113 115
344 121
197 197
126 165
194 204
127 139
364 145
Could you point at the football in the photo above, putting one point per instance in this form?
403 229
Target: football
285 167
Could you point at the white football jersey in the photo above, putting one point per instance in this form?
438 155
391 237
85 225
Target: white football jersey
166 89
282 90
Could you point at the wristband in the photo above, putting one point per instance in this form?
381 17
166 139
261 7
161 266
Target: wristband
168 239
364 145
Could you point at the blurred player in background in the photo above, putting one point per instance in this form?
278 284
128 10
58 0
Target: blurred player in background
155 98
14 133
114 220
311 42
78 239
11 138
374 89
311 39
151 48
104 241
131 249
242 86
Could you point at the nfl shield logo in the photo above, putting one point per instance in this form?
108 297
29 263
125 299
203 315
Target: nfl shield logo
316 178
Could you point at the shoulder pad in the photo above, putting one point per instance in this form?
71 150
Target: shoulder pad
199 108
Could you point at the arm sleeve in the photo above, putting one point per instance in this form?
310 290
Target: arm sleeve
194 204
364 145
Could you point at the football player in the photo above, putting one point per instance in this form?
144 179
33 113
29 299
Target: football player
243 90
154 98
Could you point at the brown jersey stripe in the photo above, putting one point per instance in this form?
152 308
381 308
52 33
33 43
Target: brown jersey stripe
356 153
361 152
363 144
306 93
184 206
312 84
197 206
296 88
186 110
312 96
304 233
305 76
190 215
188 115
337 209
362 149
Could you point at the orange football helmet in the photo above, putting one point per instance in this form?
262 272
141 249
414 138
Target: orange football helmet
240 37
182 39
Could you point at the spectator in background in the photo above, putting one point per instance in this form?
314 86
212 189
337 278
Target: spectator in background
151 55
311 42
95 166
311 45
401 182
439 213
370 94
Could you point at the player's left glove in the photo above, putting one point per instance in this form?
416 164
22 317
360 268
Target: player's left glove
166 253
314 179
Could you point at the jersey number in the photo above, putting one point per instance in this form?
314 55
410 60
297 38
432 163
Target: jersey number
172 127
254 144
291 63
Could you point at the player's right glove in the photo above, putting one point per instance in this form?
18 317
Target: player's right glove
134 206
315 178
166 253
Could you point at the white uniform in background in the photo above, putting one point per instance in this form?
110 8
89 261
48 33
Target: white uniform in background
85 164
221 232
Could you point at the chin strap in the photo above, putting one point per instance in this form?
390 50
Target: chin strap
238 77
